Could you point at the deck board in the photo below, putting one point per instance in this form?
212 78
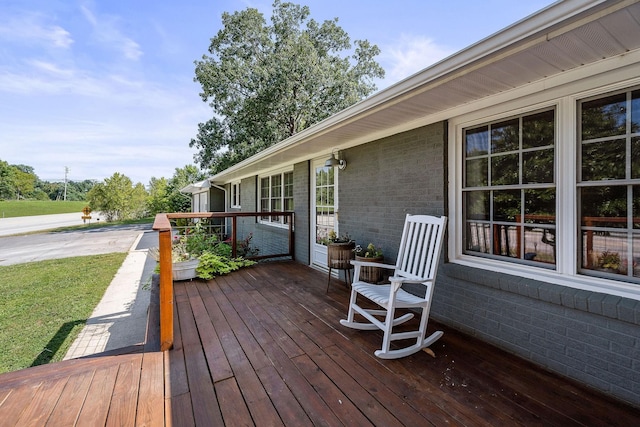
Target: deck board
263 346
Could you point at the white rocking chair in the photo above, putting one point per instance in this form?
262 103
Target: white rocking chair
417 263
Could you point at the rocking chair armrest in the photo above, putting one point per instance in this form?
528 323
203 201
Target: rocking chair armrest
373 264
404 280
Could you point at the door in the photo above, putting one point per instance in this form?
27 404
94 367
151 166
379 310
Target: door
325 205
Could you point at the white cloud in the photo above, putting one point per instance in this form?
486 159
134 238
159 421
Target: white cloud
107 33
32 29
409 55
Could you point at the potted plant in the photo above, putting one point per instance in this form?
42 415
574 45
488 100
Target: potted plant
609 262
196 253
370 253
339 251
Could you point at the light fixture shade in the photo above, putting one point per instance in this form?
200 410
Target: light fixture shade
332 162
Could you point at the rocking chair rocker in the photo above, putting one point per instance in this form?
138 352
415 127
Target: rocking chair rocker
417 263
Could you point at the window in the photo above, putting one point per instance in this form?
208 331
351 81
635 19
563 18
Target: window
276 195
609 185
235 195
508 191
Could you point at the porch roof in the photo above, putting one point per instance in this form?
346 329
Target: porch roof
557 40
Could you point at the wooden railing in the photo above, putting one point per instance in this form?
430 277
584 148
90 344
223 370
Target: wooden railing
162 225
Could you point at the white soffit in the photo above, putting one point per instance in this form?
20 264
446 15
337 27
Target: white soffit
564 36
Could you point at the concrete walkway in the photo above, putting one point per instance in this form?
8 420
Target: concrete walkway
120 319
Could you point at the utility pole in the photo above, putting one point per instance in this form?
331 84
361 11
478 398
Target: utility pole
66 172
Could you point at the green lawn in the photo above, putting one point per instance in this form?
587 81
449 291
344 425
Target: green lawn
45 304
13 208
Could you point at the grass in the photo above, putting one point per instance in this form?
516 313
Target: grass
45 304
15 208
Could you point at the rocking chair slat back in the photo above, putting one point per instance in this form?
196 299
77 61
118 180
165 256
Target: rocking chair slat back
420 247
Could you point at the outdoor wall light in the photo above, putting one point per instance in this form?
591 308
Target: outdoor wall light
332 162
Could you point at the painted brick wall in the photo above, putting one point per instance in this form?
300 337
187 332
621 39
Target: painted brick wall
387 179
301 203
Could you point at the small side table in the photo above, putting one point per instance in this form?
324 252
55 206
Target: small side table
339 256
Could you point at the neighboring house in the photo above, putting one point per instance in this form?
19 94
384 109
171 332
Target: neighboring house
529 141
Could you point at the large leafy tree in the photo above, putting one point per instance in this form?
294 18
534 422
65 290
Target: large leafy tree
268 82
180 202
118 199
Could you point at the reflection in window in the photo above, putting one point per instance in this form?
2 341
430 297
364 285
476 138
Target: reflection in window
608 191
509 189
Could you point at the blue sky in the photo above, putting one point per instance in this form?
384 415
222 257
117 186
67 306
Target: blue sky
107 86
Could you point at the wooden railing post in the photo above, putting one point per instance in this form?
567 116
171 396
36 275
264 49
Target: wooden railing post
163 227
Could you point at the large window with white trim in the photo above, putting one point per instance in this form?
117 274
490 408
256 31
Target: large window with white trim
509 191
276 195
609 185
514 169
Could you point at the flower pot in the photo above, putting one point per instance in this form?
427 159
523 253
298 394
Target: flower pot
370 274
339 255
185 270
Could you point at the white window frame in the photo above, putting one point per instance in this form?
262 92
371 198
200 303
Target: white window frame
274 221
564 97
235 201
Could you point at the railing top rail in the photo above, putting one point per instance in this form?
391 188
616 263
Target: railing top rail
161 223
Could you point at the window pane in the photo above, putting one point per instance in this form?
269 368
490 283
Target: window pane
635 263
477 205
538 130
636 207
505 240
537 166
540 245
540 206
504 169
276 186
477 141
604 251
635 111
603 160
505 136
604 117
476 172
478 237
635 158
506 205
604 206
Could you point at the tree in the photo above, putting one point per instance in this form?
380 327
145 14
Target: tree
158 201
266 83
118 199
180 202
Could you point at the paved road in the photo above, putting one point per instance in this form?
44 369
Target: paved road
41 246
27 224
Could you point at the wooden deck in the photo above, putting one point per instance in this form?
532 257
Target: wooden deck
263 346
